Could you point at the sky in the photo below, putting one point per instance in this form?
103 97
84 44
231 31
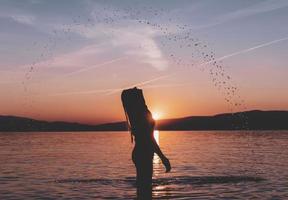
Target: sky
69 60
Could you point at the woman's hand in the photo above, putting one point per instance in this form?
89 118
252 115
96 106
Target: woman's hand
166 163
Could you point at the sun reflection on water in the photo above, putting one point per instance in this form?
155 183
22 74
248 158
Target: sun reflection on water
156 136
156 160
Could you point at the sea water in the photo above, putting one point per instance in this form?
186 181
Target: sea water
97 165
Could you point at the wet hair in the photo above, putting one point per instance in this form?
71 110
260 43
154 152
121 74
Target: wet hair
134 107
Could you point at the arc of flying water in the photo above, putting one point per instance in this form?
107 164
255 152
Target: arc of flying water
205 63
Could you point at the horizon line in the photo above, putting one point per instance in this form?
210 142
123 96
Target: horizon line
104 123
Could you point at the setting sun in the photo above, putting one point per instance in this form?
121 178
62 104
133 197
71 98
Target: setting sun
156 115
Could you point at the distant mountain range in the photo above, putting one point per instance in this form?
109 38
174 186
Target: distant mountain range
249 120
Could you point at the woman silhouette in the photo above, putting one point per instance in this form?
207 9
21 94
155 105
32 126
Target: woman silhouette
141 125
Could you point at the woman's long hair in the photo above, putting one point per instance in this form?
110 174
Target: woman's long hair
134 104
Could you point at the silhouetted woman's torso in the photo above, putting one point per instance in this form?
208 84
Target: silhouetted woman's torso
143 134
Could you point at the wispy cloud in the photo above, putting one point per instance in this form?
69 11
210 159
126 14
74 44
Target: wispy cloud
262 7
259 8
85 56
135 40
21 18
140 44
24 19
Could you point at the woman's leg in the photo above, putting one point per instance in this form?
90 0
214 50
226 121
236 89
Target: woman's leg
144 170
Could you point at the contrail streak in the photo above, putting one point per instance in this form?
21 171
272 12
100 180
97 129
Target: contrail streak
7 82
80 92
95 66
205 63
166 85
246 50
140 83
113 89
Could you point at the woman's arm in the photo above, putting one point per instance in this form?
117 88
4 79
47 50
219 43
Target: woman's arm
156 147
163 158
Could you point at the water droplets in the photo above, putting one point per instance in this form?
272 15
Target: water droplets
181 46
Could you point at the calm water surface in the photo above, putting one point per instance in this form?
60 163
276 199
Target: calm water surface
95 165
